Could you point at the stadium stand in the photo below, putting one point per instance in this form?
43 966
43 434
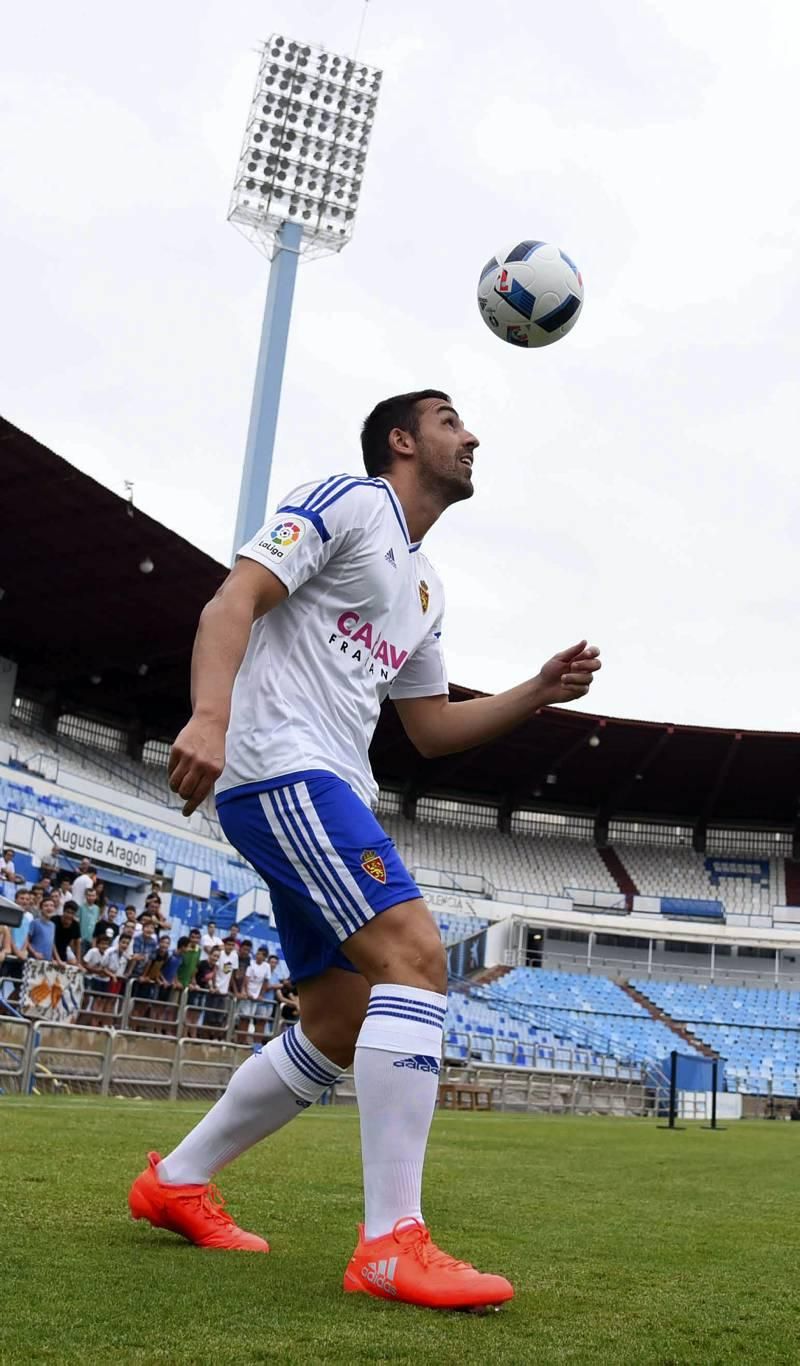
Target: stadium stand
752 888
229 874
517 863
527 1011
62 758
756 1032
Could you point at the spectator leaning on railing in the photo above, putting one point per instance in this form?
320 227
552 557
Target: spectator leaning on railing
201 995
14 964
210 940
97 985
189 949
67 940
41 935
118 959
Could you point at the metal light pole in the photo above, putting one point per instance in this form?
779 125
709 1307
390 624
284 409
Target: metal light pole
296 193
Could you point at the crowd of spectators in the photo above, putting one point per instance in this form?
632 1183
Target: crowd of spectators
206 979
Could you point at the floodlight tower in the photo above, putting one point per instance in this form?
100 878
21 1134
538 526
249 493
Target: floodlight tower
296 194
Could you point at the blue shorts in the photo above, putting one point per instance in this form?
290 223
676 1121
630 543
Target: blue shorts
329 866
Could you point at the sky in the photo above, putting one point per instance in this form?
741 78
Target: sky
635 482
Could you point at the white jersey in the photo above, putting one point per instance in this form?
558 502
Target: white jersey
362 622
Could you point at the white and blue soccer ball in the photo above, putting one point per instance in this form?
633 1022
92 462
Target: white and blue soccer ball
530 294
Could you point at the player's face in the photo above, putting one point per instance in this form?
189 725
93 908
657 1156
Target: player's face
445 451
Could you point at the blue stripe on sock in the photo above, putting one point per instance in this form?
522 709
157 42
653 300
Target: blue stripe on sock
414 1007
299 1063
397 1005
397 1015
407 1001
298 1054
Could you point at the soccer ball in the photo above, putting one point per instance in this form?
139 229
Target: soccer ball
530 294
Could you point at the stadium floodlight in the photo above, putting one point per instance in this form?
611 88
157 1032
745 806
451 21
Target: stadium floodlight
296 194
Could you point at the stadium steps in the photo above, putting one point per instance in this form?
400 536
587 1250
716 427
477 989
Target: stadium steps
620 874
792 872
487 975
661 1015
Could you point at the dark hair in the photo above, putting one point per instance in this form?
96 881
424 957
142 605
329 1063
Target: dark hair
70 906
183 941
400 411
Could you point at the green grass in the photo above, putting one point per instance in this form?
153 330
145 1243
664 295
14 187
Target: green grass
625 1243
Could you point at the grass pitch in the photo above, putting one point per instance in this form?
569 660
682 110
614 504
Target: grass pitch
625 1243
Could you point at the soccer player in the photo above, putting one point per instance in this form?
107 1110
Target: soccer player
329 609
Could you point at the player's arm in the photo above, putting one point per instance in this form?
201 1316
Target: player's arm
436 726
198 754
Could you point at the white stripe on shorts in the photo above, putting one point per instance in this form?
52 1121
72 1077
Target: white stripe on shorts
364 911
318 893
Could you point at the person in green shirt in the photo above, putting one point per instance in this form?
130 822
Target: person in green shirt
189 950
88 916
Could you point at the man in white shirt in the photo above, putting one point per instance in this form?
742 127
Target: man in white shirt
9 877
210 940
227 964
256 978
86 877
331 608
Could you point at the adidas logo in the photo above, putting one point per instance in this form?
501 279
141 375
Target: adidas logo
389 557
419 1063
381 1274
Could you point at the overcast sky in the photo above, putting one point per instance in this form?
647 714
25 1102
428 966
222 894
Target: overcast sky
636 482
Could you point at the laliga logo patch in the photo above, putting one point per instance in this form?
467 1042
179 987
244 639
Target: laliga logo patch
286 534
282 537
424 595
373 864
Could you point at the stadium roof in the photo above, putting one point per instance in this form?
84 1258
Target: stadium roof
76 607
75 603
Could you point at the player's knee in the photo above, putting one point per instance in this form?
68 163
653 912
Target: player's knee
414 958
334 1036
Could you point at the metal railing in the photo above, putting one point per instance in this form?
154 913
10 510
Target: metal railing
163 1012
499 1051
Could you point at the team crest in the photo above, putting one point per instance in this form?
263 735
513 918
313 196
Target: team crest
424 595
373 864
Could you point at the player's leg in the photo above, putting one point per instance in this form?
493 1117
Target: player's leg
272 1087
398 1052
401 956
278 1081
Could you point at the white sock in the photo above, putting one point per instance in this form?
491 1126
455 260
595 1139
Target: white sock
398 1053
274 1085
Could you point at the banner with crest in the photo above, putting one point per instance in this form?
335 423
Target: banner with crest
51 993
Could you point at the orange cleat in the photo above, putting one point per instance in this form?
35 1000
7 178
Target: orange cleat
195 1212
405 1265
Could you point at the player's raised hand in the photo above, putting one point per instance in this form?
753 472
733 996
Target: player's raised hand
568 675
196 760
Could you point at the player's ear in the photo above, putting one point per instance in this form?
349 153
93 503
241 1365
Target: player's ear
400 441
